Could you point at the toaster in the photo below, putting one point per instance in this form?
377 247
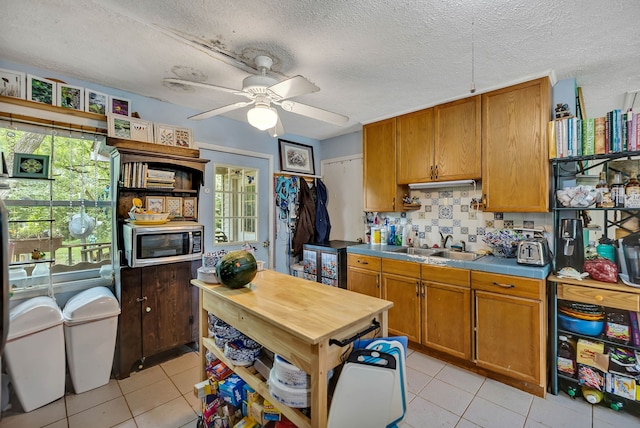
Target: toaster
533 251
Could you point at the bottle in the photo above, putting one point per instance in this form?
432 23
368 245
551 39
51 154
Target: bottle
593 396
617 190
392 234
591 252
384 234
567 356
604 195
632 192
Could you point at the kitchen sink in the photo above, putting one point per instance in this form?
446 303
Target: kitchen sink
436 252
456 255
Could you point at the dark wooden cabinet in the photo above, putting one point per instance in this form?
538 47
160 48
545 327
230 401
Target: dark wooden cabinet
159 310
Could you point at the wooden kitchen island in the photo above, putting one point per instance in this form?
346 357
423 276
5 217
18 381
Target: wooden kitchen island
296 319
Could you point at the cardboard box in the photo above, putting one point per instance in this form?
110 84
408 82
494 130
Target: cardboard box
204 388
591 353
230 390
622 386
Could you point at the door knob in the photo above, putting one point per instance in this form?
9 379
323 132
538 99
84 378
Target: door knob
148 309
141 299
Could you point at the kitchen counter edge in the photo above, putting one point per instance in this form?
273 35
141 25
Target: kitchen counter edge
487 263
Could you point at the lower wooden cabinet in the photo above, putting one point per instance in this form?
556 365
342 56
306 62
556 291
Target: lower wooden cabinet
510 329
363 275
446 310
158 313
401 285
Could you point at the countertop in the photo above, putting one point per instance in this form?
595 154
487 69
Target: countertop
487 263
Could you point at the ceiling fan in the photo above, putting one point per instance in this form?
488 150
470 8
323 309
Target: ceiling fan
263 91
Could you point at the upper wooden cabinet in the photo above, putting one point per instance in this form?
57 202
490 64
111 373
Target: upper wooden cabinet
381 192
457 140
515 167
440 143
414 147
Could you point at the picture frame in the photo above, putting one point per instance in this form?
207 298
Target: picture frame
70 96
96 102
13 84
30 165
129 128
183 137
296 157
41 90
155 204
164 134
121 106
173 205
190 207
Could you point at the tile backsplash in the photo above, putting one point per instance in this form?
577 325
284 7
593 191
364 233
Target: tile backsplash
450 212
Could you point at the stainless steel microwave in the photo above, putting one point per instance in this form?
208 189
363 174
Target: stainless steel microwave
176 241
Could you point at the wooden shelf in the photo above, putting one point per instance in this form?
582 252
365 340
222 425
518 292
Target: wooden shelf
258 384
411 206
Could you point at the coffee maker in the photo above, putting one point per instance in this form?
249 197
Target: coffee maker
570 245
629 259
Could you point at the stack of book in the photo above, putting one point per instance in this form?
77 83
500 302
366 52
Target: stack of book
160 179
614 133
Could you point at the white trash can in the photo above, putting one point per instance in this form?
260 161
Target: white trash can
90 328
35 352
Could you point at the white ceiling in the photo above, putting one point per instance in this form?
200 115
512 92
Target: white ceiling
371 59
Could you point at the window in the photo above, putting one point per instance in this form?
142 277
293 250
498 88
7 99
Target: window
66 215
236 204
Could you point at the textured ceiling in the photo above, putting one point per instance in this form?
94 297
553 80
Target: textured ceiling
371 59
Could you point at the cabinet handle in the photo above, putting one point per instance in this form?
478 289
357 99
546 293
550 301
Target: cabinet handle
417 289
431 172
504 285
599 298
436 177
423 290
377 282
148 309
140 300
363 262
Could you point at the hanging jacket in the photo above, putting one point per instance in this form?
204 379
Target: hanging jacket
305 222
323 224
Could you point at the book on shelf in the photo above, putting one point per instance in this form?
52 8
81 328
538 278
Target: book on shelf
588 137
599 131
160 174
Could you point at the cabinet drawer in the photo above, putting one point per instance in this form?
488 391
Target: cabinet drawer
399 267
446 275
509 285
364 262
596 296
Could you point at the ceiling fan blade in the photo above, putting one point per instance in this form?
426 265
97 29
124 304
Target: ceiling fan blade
314 112
220 110
289 88
203 85
277 130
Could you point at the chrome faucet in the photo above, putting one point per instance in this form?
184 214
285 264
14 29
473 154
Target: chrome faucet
463 245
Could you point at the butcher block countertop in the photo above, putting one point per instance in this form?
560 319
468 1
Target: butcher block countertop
311 311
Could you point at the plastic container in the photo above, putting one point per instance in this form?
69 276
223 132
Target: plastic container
567 356
375 236
586 327
593 396
90 327
34 352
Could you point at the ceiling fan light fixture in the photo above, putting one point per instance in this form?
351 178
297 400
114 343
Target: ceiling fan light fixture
262 117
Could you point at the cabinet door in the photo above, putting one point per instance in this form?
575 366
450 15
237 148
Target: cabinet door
508 336
457 148
447 319
414 147
129 343
381 192
363 281
404 316
166 312
515 167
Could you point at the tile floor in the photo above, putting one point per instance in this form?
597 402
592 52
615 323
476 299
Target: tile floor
439 395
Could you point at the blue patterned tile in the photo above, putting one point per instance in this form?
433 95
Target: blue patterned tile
480 231
445 211
456 222
427 229
414 227
464 230
473 238
427 208
434 222
456 201
464 193
421 235
508 224
464 208
528 224
446 230
498 216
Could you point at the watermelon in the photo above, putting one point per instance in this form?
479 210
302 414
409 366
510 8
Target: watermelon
236 269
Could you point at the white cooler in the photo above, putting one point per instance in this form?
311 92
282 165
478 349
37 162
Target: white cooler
90 328
35 352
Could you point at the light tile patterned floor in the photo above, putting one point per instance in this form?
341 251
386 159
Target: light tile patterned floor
440 395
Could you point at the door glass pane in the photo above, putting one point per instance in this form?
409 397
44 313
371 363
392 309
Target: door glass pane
236 211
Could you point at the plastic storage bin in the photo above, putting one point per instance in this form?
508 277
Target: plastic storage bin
35 352
90 328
